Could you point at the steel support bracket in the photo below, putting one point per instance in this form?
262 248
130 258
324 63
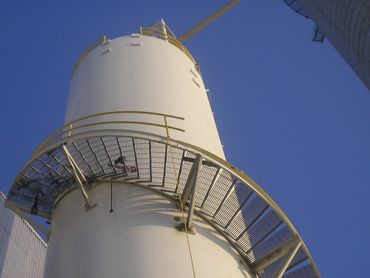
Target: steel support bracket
189 193
191 180
79 177
288 251
287 260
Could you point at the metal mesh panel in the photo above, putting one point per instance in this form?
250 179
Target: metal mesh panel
267 223
206 177
275 240
158 162
305 271
141 148
85 152
99 154
112 150
269 271
298 258
248 215
127 151
232 204
222 184
82 163
174 157
54 168
59 157
186 166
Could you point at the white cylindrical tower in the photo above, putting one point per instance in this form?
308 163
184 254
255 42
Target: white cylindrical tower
145 73
135 183
138 239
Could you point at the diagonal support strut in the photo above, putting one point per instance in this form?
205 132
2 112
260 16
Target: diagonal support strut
287 260
189 193
208 20
79 177
287 251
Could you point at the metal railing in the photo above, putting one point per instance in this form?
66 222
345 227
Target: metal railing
95 44
250 183
214 203
79 125
147 31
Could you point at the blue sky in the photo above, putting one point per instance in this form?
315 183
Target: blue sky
291 113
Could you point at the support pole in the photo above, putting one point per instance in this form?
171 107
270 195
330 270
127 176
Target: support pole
282 251
208 20
288 259
191 180
79 176
197 165
167 129
164 29
189 193
111 196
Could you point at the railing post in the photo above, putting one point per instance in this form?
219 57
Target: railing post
70 126
79 177
167 130
164 30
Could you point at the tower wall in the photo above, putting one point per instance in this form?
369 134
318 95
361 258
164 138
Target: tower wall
346 24
137 239
143 73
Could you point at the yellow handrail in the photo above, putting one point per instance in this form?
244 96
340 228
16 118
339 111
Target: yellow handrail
248 181
87 51
245 179
76 125
147 31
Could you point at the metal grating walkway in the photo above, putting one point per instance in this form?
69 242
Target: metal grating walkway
226 197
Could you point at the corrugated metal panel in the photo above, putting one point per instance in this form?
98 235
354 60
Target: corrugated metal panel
22 250
346 24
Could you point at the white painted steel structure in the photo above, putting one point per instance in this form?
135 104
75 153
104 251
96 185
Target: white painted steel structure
135 183
346 24
144 73
137 239
138 73
22 250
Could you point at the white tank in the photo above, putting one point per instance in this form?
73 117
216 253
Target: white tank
138 239
144 73
135 184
